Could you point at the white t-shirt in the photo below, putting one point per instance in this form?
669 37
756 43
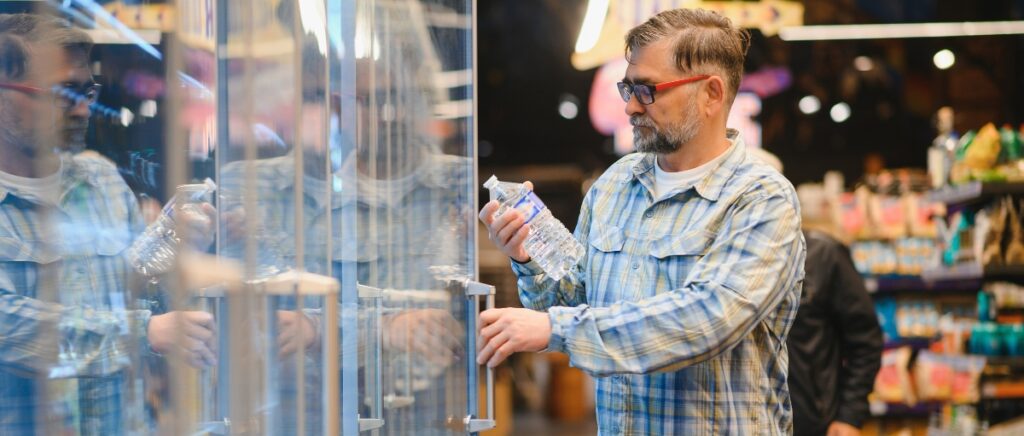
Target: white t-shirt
46 189
665 182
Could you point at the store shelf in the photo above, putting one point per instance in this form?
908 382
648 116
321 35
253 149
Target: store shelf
913 343
974 192
974 271
889 285
1002 390
895 410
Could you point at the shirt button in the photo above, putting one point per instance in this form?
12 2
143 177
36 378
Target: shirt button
648 214
636 265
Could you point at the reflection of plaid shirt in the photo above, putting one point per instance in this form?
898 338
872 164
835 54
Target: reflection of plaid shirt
68 328
682 306
407 229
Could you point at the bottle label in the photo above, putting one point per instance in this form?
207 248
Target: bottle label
530 205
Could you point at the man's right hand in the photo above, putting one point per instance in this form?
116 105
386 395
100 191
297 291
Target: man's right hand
507 231
192 333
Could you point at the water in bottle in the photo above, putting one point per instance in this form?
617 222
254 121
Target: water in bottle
154 251
549 244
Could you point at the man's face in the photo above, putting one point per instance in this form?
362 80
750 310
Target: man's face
673 119
36 123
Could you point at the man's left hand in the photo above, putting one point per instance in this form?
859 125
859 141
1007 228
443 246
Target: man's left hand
507 331
842 429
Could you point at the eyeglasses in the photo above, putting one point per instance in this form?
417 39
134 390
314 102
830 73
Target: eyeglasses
64 97
645 93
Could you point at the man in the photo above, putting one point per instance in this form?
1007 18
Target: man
694 260
68 322
835 346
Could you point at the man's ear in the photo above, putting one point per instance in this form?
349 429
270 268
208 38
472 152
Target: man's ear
714 96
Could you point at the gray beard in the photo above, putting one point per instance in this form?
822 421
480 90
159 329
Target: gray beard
670 140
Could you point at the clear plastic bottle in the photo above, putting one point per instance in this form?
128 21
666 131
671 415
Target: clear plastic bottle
549 244
154 251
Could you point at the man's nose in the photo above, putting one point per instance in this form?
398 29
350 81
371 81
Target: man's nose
80 108
633 106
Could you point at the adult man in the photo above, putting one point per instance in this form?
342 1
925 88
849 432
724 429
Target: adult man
835 346
694 255
68 322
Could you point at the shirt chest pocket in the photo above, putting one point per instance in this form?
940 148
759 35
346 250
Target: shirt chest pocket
676 256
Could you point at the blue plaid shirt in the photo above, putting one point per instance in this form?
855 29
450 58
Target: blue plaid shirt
69 324
682 305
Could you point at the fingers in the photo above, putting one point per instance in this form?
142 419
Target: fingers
505 234
529 185
487 213
490 316
490 348
499 356
197 353
520 236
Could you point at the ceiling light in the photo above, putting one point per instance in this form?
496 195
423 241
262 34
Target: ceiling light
944 59
809 104
863 63
593 21
840 112
906 30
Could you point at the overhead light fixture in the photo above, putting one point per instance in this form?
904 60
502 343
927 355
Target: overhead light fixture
840 112
809 104
944 59
907 30
863 63
569 107
593 21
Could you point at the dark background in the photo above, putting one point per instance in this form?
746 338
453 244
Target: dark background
525 47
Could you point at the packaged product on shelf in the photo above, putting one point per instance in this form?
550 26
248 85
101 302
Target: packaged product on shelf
989 224
851 214
933 377
874 257
983 152
966 374
892 384
921 215
957 238
885 309
1015 247
1009 142
887 216
1007 295
940 154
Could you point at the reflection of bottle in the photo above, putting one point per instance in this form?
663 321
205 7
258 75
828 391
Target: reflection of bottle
940 155
549 244
154 251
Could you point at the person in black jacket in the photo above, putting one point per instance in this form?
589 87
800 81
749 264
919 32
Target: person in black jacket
835 345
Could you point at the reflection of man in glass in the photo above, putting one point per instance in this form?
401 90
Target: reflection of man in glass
412 208
69 322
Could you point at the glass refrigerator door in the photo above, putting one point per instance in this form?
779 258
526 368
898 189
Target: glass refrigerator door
264 224
408 170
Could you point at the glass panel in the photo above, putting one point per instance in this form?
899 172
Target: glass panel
415 210
164 243
79 182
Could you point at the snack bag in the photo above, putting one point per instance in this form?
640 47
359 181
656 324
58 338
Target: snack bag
892 384
933 377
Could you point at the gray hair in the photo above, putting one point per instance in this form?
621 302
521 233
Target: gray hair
20 32
701 38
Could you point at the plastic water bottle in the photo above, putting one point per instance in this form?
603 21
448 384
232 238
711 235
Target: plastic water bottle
154 251
549 244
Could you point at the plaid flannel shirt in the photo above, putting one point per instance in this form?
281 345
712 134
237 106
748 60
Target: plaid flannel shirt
69 325
682 305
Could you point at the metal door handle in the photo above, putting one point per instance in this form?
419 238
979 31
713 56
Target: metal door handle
474 290
371 423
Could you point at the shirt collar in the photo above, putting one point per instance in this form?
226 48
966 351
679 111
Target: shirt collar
711 186
72 175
